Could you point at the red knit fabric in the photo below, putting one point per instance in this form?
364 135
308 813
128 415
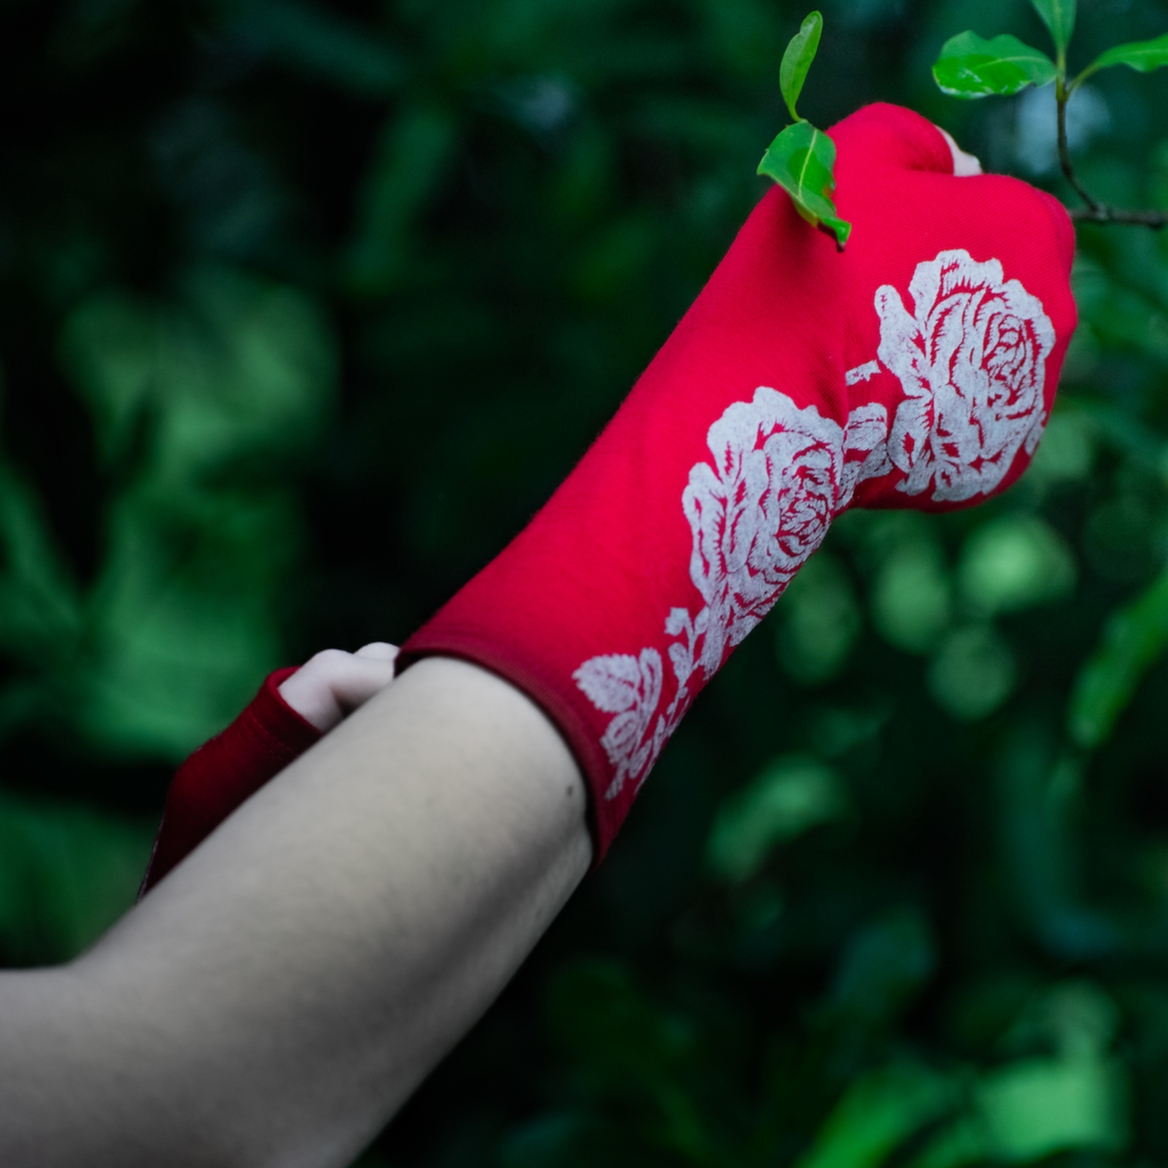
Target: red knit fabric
225 771
914 370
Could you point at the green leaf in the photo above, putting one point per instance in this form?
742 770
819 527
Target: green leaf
418 143
800 160
1132 640
1059 17
821 621
40 604
1038 1106
973 672
67 872
1014 562
792 795
222 388
884 966
321 43
1143 56
797 60
970 66
599 1013
911 596
878 1113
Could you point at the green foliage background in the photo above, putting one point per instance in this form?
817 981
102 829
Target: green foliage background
304 309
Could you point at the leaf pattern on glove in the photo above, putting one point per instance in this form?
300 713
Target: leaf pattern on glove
630 688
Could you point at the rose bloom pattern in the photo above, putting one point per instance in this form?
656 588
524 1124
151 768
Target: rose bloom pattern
971 361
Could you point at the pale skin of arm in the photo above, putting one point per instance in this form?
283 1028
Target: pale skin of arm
282 992
279 995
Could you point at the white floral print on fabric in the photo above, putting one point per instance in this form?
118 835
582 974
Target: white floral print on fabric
762 508
779 475
630 688
971 359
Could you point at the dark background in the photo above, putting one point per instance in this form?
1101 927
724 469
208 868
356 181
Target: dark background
304 310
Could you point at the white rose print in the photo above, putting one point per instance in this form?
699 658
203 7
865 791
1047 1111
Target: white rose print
759 511
779 474
971 359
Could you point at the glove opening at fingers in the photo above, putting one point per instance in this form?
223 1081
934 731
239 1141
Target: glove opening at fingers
964 165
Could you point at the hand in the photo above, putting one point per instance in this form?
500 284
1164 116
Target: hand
964 164
288 715
332 684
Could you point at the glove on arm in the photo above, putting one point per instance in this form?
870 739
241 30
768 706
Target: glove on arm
917 369
227 770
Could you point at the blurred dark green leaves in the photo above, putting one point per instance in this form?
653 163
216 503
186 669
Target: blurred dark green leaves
305 308
198 406
790 796
68 873
1133 639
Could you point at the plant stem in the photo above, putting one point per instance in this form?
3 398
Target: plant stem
1094 211
1061 95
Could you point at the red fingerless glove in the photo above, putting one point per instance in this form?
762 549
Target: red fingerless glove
916 369
225 771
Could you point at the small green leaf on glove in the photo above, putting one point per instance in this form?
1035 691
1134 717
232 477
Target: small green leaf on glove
1059 17
970 66
797 60
1143 56
800 160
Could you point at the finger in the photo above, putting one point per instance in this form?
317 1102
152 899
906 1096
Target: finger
364 677
333 683
963 163
381 650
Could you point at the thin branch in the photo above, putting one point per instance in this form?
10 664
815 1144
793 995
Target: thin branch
1094 211
1064 152
1102 213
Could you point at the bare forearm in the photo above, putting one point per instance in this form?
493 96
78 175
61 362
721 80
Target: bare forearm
286 988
